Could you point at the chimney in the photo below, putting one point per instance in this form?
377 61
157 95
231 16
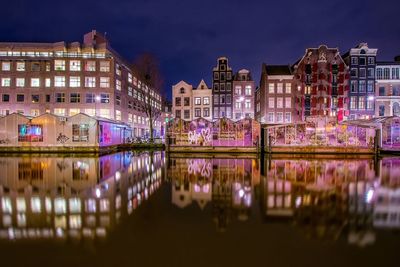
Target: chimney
94 38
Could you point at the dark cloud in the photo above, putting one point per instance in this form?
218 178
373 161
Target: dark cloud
188 36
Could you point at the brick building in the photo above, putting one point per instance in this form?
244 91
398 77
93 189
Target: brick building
69 78
243 95
222 89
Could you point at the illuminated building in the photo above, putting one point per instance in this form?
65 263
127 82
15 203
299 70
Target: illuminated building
243 95
70 78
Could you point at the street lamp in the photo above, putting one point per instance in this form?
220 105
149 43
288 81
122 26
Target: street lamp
96 99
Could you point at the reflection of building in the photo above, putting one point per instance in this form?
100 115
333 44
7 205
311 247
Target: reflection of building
388 88
68 78
65 197
226 183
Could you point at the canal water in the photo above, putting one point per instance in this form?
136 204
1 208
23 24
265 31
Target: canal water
154 209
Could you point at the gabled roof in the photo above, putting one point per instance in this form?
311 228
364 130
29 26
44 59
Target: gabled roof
202 82
277 69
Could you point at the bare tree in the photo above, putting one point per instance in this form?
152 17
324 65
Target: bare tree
146 67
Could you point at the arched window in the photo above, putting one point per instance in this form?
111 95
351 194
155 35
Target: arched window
182 90
396 109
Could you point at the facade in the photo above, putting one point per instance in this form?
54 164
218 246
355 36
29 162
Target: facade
387 95
69 78
362 62
243 95
182 106
222 89
202 99
322 79
275 98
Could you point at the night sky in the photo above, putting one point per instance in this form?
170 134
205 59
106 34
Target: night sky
188 36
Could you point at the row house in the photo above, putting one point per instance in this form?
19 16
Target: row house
243 95
70 78
222 80
321 77
275 98
387 96
361 61
191 103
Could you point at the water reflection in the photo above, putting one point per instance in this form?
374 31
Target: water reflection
73 197
323 198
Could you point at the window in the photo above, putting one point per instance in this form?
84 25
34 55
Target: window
90 82
105 82
5 66
6 82
371 73
80 132
48 97
381 91
288 117
216 99
48 67
130 91
271 102
371 60
247 103
75 98
238 104
118 100
20 82
104 98
35 98
206 112
353 102
270 117
228 99
197 100
353 86
20 98
104 66
59 65
206 100
47 82
279 88
90 98
74 111
279 102
90 65
118 115
354 60
59 111
361 86
20 66
35 82
288 102
362 61
60 97
182 90
75 65
248 90
222 99
118 69
186 101
288 88
30 133
370 103
395 73
279 117
178 101
197 112
238 90
6 98
186 114
386 73
118 85
130 79
361 102
370 86
222 87
354 72
35 66
74 81
362 73
271 88
105 113
59 81
216 87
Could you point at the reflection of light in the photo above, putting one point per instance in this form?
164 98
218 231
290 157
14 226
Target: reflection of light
371 97
370 195
298 201
206 188
98 193
241 193
117 176
196 188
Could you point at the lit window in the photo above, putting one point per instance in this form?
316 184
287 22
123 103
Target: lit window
21 204
197 101
247 103
279 88
104 82
90 66
288 88
90 111
59 65
6 205
36 206
6 66
248 90
20 82
105 113
75 222
74 81
206 100
91 205
59 81
118 85
75 65
74 111
35 82
6 82
74 205
279 102
118 116
279 117
48 82
59 111
271 102
90 82
271 88
288 102
20 66
104 205
104 66
118 69
270 117
129 77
